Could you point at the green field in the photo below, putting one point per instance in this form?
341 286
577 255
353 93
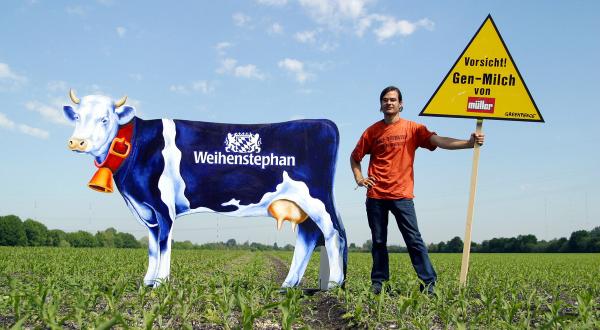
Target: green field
101 288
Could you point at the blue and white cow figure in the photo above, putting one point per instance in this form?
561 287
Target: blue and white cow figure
167 168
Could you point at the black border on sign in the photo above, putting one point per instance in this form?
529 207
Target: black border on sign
489 16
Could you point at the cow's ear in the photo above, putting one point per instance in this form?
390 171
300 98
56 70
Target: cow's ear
125 114
69 113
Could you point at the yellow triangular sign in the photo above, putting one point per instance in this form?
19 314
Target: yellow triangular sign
484 83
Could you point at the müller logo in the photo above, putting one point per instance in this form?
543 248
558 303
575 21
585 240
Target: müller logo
238 151
481 104
243 143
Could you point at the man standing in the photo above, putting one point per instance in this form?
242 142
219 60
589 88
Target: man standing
392 143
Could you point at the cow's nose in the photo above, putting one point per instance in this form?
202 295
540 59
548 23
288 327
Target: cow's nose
77 144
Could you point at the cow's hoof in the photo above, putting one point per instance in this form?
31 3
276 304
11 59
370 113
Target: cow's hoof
159 281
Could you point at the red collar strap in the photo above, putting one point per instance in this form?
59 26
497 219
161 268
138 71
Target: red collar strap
119 149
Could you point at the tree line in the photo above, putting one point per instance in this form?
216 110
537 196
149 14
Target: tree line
14 232
579 241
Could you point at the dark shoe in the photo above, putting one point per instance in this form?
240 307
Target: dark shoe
376 288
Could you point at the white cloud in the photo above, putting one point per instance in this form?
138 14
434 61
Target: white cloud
221 47
426 23
306 36
121 31
354 15
9 80
5 122
26 129
249 71
76 10
201 86
57 86
390 27
312 37
291 65
241 19
362 25
275 28
335 12
178 89
35 132
277 3
227 65
295 67
53 113
328 46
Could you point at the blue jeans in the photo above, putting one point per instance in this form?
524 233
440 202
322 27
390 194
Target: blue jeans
406 218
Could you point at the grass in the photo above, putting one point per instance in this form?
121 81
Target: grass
102 288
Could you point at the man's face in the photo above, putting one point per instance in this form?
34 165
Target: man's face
390 105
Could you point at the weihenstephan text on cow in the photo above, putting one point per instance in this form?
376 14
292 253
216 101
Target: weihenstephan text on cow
245 147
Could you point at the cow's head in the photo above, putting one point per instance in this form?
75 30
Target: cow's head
97 119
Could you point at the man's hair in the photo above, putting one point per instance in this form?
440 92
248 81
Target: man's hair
389 89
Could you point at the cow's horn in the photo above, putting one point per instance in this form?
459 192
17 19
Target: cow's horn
73 97
120 102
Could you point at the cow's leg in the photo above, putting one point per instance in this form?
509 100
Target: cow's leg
159 242
164 245
334 244
308 235
342 243
147 216
153 257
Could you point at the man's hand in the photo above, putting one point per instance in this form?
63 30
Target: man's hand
476 138
360 181
366 182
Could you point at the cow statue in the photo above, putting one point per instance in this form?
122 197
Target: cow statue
167 168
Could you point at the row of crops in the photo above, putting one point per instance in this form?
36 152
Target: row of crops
102 288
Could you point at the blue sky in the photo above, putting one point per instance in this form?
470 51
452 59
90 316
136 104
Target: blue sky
275 60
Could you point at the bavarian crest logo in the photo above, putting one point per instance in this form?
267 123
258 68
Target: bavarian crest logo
243 143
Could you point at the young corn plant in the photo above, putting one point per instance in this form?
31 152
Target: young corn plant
290 308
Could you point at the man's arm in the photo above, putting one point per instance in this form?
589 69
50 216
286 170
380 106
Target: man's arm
453 144
358 177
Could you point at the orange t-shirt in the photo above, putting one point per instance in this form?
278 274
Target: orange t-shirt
392 148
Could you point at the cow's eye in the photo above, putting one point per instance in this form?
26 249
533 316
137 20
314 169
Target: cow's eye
104 120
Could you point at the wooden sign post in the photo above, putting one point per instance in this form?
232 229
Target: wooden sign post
464 267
